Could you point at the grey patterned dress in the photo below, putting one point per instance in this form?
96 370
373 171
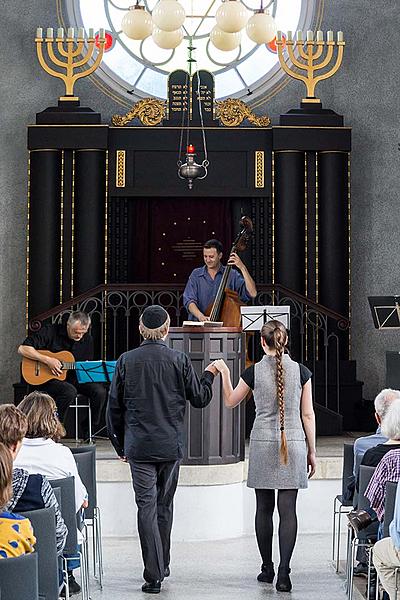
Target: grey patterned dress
265 468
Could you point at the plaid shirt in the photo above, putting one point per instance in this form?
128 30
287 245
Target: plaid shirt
387 470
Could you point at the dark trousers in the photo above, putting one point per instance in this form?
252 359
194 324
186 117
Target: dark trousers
155 485
64 394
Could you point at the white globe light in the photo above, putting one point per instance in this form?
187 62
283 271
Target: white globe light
168 15
223 40
167 39
261 28
137 23
231 16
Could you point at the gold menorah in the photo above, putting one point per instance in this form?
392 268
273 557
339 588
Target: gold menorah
310 54
69 49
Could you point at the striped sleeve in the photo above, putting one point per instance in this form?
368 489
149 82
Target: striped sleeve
49 500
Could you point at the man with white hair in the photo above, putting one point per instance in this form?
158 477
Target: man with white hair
72 335
145 417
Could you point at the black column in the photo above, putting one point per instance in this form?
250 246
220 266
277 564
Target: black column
45 200
289 220
89 220
333 234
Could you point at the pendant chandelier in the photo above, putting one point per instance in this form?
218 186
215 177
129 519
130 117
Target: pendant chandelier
166 24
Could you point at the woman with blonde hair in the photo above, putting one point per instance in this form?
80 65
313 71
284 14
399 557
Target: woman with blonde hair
282 443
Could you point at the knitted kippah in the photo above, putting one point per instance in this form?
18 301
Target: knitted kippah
154 317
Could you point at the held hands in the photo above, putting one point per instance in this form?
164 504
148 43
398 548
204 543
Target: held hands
54 365
311 464
212 369
221 365
235 261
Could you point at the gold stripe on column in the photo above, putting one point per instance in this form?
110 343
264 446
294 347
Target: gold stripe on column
62 226
28 204
306 245
106 253
259 169
120 169
72 223
349 232
273 218
316 231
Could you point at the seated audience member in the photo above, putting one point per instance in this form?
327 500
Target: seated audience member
386 554
382 403
16 533
41 453
30 492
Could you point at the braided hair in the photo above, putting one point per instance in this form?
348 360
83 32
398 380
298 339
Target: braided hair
275 336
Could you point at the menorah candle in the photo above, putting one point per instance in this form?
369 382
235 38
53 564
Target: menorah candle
49 33
60 33
329 36
70 33
310 36
102 34
81 33
279 36
91 32
39 33
340 36
320 36
289 36
299 35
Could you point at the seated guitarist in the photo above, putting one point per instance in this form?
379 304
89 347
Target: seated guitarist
72 335
203 283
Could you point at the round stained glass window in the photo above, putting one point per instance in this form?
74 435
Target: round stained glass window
139 69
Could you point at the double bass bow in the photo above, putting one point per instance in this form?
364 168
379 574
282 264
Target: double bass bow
226 306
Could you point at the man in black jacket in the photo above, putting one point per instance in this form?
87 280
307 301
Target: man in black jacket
145 419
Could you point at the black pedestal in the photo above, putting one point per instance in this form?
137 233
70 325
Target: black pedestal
312 115
68 112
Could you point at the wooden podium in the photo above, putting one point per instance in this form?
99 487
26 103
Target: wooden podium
214 435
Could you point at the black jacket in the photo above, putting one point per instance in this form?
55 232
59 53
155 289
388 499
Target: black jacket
147 402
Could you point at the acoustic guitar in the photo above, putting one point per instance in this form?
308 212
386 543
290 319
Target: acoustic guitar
35 372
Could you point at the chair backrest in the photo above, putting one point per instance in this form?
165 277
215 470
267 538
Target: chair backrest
67 508
57 493
44 527
348 460
19 577
364 479
85 458
390 500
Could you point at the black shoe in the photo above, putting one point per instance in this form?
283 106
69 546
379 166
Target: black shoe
359 519
74 587
283 583
267 573
360 570
167 572
152 587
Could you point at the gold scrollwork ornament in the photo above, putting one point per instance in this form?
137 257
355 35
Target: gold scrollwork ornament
149 111
232 112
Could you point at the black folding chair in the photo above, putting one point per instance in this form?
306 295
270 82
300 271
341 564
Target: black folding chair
67 508
19 577
340 505
85 457
44 527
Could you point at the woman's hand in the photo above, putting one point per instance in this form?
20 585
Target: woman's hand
220 365
311 463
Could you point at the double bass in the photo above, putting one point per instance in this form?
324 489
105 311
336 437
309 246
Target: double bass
226 305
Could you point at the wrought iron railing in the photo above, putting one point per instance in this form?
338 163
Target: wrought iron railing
319 336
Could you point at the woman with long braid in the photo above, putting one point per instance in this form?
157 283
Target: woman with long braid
282 443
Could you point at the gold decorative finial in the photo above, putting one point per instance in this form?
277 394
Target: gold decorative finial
232 112
69 48
313 52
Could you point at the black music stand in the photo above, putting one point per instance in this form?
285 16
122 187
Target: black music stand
254 317
385 311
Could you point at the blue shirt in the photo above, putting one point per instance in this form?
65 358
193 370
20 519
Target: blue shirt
201 288
362 444
394 527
